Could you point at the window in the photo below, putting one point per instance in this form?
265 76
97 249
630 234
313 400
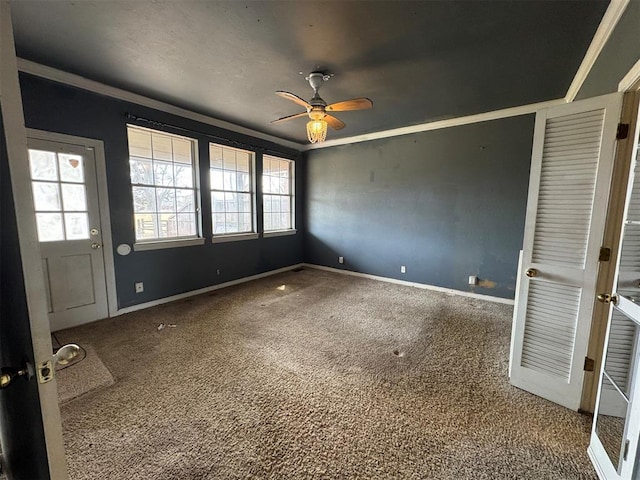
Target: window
164 183
59 195
277 188
232 188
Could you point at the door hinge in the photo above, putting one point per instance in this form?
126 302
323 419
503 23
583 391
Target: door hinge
623 131
605 254
589 364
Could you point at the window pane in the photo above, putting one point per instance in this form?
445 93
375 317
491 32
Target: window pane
275 185
245 222
49 227
186 224
267 222
181 151
161 146
146 226
168 225
216 179
242 160
139 143
76 226
229 159
166 200
183 175
71 168
163 173
215 156
285 220
218 223
217 202
231 222
266 203
46 196
229 180
266 165
285 204
185 201
230 202
73 197
243 181
42 165
144 199
141 171
244 203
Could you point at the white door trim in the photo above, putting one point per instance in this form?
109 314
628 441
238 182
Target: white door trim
103 199
16 143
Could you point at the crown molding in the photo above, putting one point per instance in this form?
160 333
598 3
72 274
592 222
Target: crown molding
451 122
83 83
608 23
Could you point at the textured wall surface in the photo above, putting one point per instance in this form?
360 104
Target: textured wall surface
446 204
620 53
57 108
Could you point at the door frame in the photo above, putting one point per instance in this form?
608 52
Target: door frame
103 201
16 143
630 85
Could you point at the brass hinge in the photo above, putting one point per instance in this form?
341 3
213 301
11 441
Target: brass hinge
623 131
589 364
605 254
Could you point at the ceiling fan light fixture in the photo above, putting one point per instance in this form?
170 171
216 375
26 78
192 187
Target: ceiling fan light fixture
317 130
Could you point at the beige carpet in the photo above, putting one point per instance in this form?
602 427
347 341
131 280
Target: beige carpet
330 377
85 376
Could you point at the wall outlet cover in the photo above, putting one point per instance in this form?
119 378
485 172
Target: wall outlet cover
473 280
139 287
403 269
341 259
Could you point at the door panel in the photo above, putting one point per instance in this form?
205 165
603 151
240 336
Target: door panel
571 168
63 179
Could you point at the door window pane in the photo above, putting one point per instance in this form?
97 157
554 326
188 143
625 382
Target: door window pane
76 226
74 197
49 227
46 196
71 168
42 165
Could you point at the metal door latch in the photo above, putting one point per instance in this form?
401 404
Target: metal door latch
9 374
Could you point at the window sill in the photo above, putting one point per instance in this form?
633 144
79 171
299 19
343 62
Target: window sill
184 242
279 233
234 237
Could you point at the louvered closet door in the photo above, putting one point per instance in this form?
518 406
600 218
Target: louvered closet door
571 167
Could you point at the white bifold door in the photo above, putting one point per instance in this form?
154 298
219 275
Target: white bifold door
571 171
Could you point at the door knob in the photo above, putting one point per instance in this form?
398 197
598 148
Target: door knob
9 374
96 246
531 272
608 298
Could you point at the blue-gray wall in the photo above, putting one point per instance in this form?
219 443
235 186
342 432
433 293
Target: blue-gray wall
53 107
620 53
446 204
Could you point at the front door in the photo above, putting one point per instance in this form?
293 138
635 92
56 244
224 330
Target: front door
571 172
65 197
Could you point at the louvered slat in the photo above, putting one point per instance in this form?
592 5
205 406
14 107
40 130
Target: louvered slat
552 312
567 183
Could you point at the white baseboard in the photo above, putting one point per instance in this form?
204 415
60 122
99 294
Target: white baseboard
423 286
200 291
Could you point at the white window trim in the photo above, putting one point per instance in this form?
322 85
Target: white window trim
279 233
160 243
169 243
292 195
234 237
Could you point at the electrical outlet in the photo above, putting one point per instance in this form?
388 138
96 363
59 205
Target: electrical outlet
473 280
403 269
340 259
218 271
139 287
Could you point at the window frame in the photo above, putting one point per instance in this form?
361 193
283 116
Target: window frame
292 197
177 241
236 236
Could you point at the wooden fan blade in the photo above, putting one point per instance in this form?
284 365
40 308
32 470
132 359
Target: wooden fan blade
353 104
290 117
334 123
294 98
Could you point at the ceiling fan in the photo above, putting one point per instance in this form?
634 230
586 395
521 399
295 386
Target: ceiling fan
317 109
